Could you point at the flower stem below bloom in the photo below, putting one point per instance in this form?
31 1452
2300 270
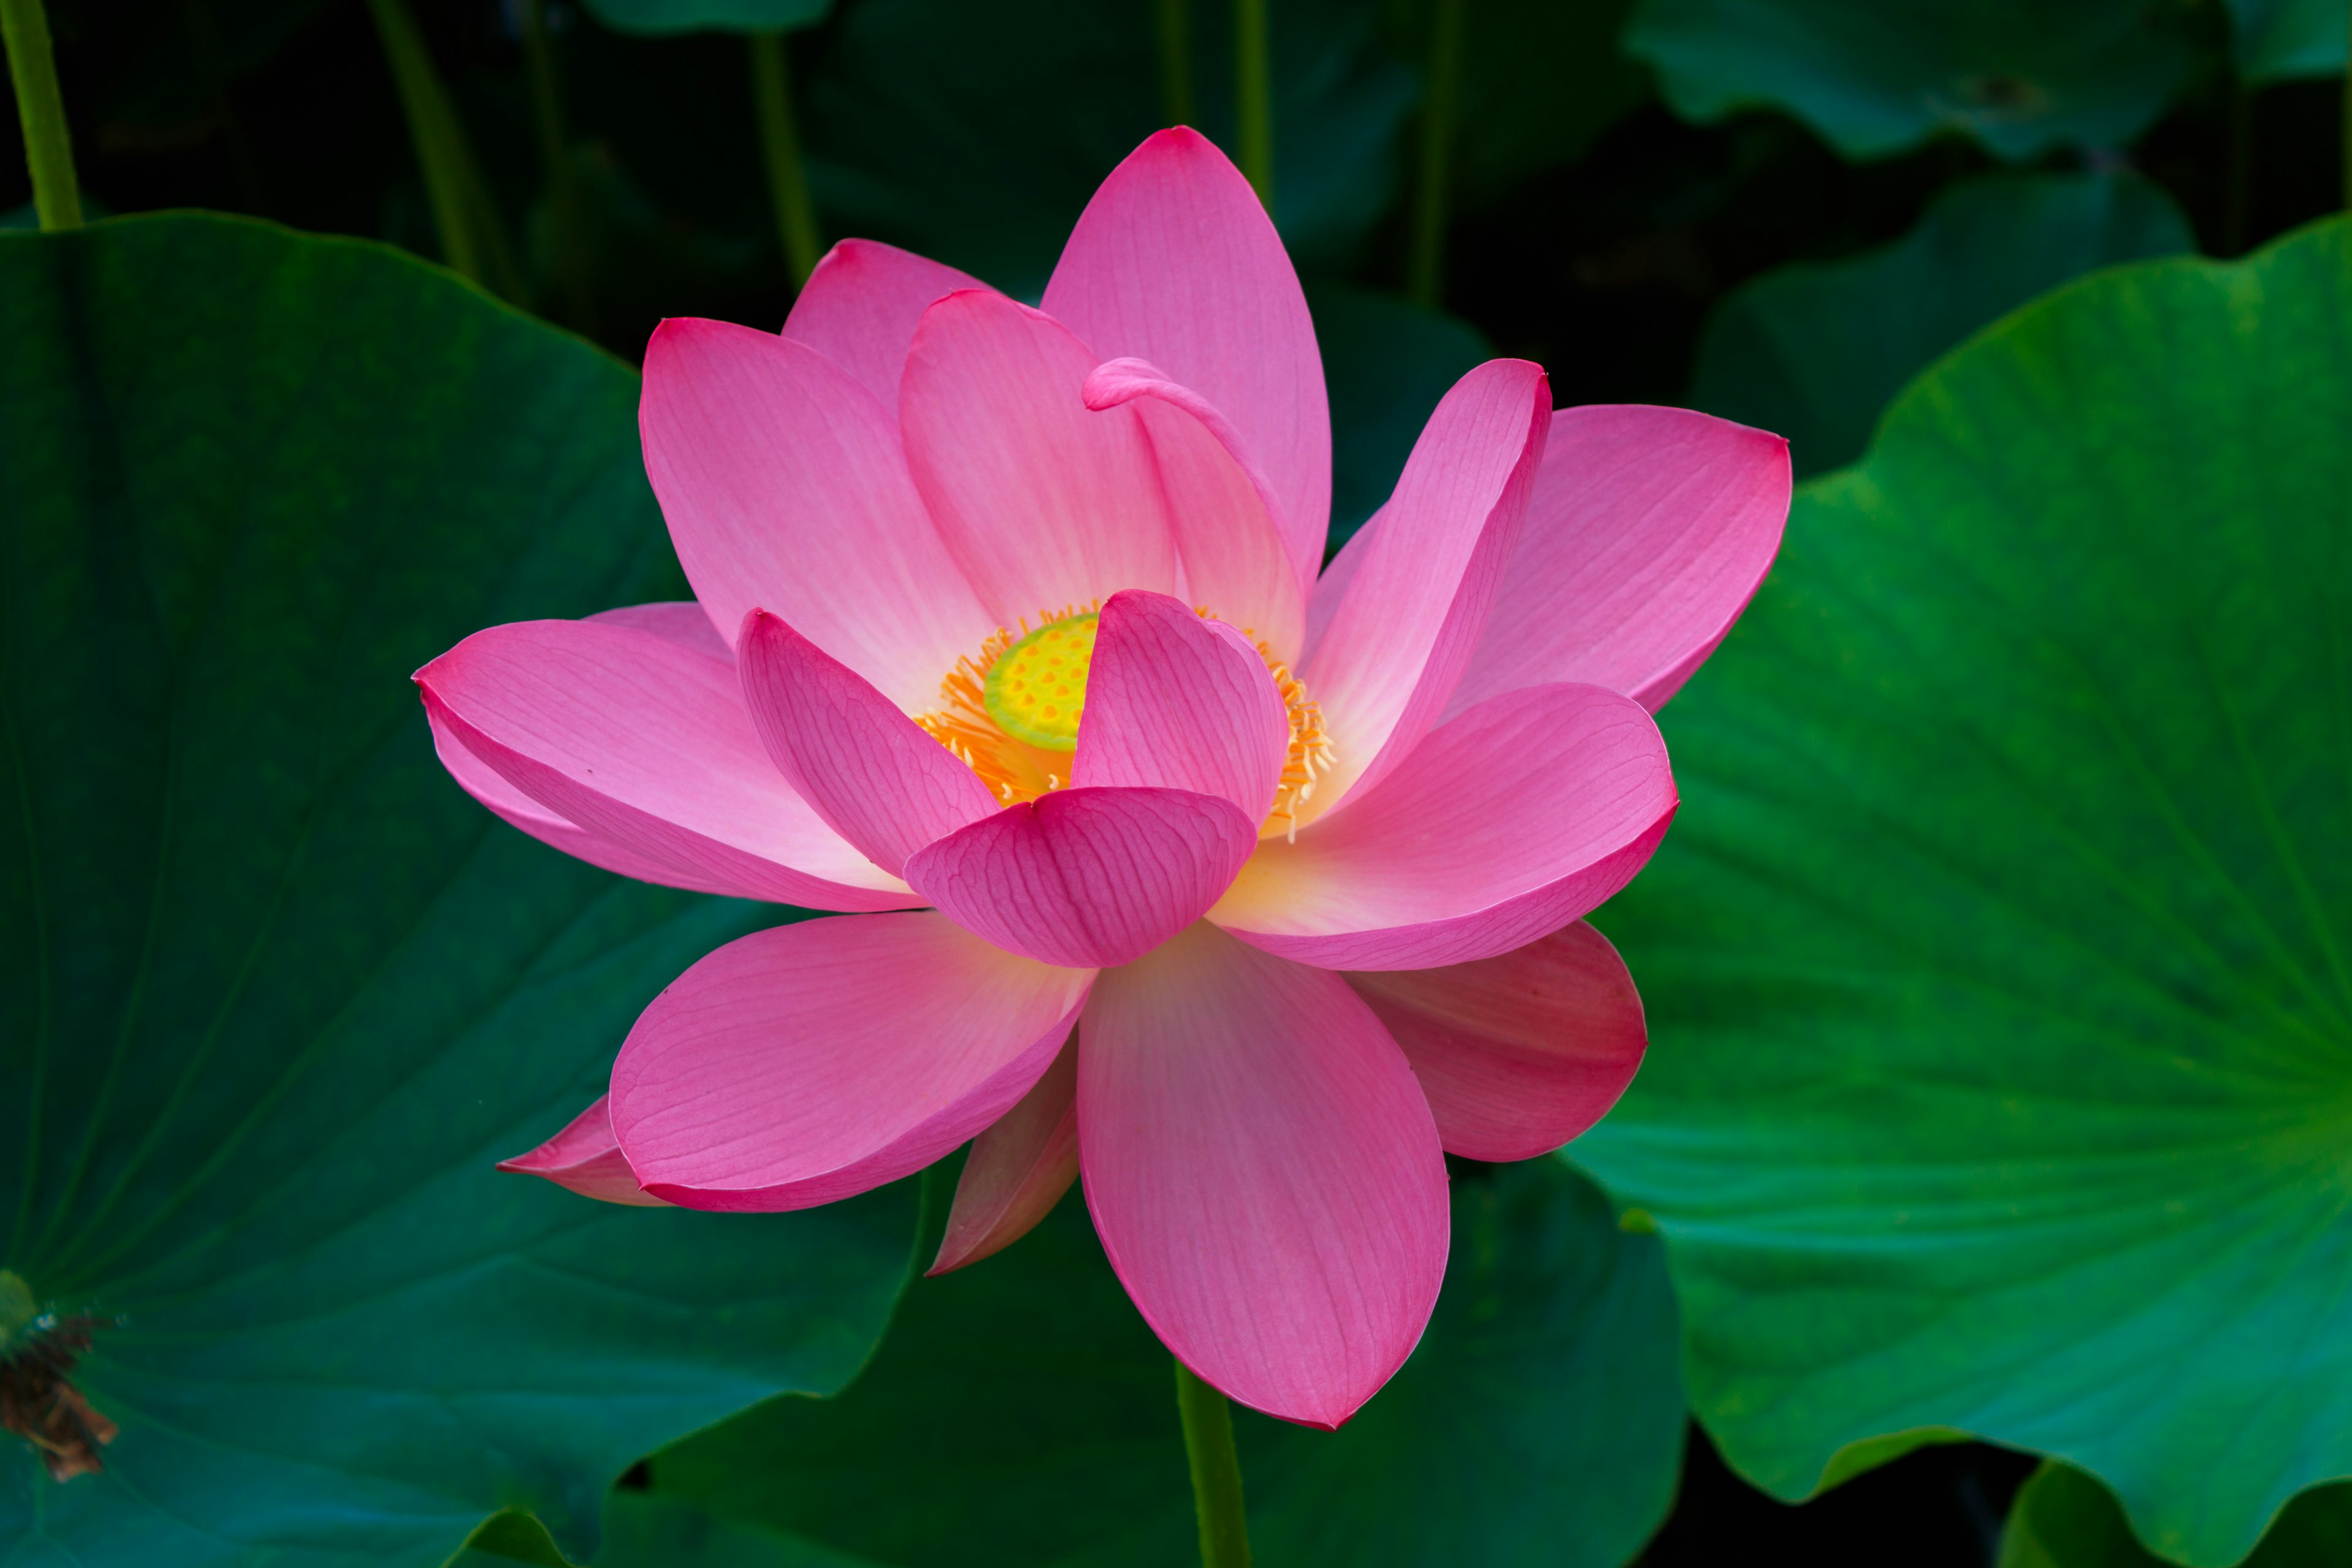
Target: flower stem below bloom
780 145
1216 1472
41 111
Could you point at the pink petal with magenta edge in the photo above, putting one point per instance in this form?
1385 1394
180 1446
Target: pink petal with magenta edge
1174 261
1387 663
1647 534
489 787
587 1158
1017 1170
1502 825
1264 1173
1043 501
785 490
1521 1052
808 1062
1086 878
1224 511
1176 700
643 744
874 774
860 307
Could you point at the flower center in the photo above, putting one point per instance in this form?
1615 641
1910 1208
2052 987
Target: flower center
1010 713
1036 689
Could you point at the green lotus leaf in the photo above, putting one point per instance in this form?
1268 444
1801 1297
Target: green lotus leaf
2063 1519
660 17
976 133
1019 1412
1877 77
2275 38
273 994
2001 1071
1815 350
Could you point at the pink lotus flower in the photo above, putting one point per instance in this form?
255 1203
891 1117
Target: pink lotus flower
1242 890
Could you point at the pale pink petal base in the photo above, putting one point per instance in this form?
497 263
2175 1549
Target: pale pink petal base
1017 1170
587 1158
1263 1172
1502 825
1086 878
803 1064
1517 1054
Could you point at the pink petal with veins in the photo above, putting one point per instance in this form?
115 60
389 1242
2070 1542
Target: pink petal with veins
1086 878
1176 700
587 1158
1264 1173
1174 261
1505 825
1521 1052
1017 1170
803 1064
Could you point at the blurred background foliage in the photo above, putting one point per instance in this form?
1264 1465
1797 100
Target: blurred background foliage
1956 1147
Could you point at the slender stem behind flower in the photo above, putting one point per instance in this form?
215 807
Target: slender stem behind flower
1253 98
1426 266
1216 1472
571 259
1175 62
780 145
41 111
473 239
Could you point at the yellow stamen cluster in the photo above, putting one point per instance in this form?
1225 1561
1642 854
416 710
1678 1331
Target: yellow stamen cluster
1011 713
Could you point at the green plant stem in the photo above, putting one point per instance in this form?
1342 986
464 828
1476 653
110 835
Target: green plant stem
2347 120
1175 62
1254 96
780 145
1425 267
572 258
1216 1472
41 111
473 241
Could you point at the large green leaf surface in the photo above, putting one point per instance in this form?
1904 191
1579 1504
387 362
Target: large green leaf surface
976 133
2001 1074
1875 77
273 994
1020 1412
2063 1519
1815 350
